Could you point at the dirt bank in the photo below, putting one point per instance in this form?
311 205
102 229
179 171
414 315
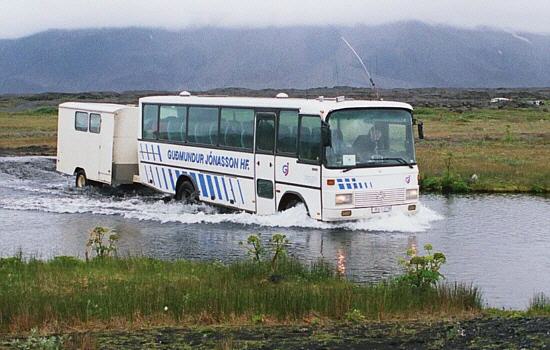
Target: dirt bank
485 333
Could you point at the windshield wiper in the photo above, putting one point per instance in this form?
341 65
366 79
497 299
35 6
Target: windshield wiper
359 165
400 160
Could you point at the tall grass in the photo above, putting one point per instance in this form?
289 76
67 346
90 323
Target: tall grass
66 292
539 305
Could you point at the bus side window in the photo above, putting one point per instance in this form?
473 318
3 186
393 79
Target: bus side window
95 123
150 122
310 139
265 134
287 141
172 123
234 123
203 125
81 121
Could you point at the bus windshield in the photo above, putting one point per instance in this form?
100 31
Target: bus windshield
370 137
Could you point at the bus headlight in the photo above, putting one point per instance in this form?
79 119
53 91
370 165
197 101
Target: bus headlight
346 198
412 194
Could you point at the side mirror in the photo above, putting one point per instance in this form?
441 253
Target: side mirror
326 136
420 130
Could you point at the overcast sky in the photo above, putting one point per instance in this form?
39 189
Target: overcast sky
24 17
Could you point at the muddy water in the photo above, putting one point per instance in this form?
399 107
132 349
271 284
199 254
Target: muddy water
500 243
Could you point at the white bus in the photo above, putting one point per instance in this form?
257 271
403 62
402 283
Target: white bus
342 159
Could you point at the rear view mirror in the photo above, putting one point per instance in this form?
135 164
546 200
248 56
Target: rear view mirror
326 137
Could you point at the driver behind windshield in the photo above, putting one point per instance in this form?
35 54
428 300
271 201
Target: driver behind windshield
370 143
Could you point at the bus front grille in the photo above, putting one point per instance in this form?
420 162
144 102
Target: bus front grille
392 196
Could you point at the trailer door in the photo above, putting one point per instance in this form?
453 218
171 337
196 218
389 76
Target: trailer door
265 163
103 124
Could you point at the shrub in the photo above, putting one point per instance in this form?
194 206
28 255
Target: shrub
423 271
96 243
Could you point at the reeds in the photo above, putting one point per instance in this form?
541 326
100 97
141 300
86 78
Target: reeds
68 292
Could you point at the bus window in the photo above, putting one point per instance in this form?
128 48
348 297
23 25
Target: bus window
95 123
265 133
172 123
150 121
288 132
203 125
264 188
81 121
236 122
310 139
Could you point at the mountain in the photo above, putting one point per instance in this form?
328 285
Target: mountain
405 54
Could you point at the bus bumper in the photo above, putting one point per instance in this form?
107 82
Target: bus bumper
350 214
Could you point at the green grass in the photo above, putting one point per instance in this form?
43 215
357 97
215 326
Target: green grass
507 149
68 293
539 305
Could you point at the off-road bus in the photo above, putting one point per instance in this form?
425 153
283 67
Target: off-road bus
342 159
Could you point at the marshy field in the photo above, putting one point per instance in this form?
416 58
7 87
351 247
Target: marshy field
200 283
470 146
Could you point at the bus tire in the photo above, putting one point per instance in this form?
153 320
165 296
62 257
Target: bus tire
186 192
290 201
81 181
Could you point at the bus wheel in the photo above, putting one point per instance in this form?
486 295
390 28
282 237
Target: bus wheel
81 181
186 192
290 203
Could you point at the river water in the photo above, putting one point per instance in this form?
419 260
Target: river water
500 243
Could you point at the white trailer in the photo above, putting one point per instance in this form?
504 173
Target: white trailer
97 142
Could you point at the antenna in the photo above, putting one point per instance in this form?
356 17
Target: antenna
364 67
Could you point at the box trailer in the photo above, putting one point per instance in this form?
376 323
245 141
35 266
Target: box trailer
98 142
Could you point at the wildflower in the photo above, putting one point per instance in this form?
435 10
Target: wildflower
166 308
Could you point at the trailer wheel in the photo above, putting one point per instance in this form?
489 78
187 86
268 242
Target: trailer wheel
81 180
186 192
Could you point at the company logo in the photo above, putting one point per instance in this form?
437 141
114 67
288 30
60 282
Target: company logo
408 179
380 196
286 169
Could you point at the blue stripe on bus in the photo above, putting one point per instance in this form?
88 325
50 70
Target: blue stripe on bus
152 151
152 176
232 192
171 179
145 171
340 184
210 187
218 187
164 176
225 189
360 185
160 157
240 190
203 185
158 177
177 174
195 182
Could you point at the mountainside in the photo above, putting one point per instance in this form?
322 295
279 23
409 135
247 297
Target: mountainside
407 54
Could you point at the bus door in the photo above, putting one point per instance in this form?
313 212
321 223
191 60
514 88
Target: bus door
265 163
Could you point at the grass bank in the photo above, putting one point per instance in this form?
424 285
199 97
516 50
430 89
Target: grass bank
485 150
31 132
67 294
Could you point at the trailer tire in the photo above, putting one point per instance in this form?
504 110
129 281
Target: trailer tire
81 181
186 192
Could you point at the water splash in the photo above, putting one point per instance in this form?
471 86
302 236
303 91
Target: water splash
32 184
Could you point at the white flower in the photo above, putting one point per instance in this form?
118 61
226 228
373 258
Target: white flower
166 308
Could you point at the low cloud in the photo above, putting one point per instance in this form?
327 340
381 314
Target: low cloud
24 17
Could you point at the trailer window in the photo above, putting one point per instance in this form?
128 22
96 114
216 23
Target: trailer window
81 121
95 123
203 125
237 128
150 121
310 138
287 141
172 123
